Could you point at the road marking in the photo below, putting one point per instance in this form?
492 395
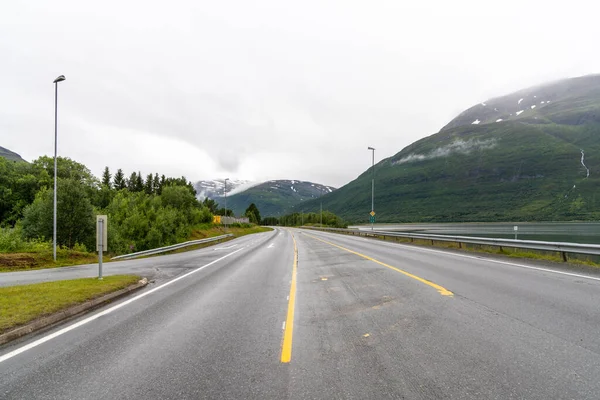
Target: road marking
105 312
271 246
481 258
283 326
286 345
225 248
442 290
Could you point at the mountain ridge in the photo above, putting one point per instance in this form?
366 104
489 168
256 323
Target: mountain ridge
541 164
10 155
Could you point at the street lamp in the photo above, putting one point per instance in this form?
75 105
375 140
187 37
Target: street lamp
226 179
373 189
59 79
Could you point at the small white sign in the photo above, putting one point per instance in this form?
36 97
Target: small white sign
104 241
516 228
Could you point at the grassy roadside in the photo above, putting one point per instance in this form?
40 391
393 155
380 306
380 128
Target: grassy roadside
209 230
42 258
20 305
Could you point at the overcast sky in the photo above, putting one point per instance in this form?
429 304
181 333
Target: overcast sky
263 90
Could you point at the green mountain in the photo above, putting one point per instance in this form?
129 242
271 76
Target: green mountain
273 198
9 155
530 155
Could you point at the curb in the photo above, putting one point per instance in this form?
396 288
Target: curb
69 312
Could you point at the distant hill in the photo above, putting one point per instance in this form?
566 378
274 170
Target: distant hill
214 188
273 198
531 155
10 155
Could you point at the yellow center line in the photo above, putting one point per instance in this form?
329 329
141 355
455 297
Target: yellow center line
286 346
442 290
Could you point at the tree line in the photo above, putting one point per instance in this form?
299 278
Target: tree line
327 218
143 212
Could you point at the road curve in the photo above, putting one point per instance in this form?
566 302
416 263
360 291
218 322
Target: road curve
371 320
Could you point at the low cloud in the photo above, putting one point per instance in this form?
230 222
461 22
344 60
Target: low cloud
458 146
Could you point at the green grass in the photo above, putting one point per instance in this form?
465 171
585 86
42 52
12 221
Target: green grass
20 305
10 262
211 230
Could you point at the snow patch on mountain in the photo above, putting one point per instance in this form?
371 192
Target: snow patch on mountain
476 122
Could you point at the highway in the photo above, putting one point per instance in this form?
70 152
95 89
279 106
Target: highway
300 314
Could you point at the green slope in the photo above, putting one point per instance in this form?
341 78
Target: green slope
526 167
9 155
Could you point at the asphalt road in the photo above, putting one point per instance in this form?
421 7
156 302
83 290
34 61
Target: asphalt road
371 320
157 268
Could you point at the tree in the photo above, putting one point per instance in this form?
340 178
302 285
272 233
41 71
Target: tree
106 176
149 185
66 169
139 182
132 182
252 212
212 205
75 215
156 184
119 180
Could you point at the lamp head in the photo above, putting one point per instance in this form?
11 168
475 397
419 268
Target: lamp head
59 79
371 148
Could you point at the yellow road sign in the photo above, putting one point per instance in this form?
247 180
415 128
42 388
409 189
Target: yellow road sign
372 213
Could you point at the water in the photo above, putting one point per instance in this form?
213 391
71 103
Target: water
574 232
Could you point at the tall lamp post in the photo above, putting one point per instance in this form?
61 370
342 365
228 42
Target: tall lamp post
226 179
373 189
59 79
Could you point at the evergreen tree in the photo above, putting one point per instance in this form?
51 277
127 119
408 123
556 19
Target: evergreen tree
106 176
156 184
119 180
252 212
139 183
132 181
149 185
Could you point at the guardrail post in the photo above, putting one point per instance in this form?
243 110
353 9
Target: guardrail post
564 256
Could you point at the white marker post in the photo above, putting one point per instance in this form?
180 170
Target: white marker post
101 240
516 229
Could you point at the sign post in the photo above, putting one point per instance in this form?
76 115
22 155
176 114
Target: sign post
101 240
372 218
516 229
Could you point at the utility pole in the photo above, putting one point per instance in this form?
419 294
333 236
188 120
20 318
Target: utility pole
373 189
226 179
59 79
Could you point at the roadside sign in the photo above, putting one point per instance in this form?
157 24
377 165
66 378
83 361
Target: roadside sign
372 213
102 232
516 228
372 219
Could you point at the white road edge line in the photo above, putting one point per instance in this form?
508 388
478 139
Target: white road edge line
225 248
100 314
492 261
283 326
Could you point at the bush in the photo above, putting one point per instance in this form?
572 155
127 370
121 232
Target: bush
12 241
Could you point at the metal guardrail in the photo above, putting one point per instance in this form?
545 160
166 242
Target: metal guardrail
170 248
562 247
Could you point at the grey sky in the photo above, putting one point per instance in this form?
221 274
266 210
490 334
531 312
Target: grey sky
269 89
